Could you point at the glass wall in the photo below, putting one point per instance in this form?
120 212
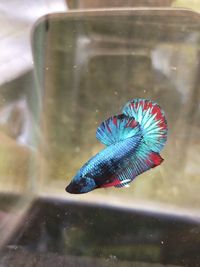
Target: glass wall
89 71
86 66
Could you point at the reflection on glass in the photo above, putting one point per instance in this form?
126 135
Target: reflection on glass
19 134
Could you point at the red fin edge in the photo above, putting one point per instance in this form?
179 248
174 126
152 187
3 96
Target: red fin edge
154 158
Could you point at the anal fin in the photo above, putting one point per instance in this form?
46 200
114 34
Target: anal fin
136 165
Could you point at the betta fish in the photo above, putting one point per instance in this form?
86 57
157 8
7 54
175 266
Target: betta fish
133 142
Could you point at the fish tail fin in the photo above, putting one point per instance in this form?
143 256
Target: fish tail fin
151 119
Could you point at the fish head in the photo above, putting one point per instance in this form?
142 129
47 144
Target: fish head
81 184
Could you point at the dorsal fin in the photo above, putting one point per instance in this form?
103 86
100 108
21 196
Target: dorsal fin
151 119
116 129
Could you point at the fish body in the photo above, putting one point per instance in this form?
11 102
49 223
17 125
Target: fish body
133 141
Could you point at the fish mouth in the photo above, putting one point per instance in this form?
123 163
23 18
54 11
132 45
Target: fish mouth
73 188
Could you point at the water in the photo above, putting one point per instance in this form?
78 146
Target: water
89 71
87 66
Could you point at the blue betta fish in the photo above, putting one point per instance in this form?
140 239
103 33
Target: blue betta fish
133 142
